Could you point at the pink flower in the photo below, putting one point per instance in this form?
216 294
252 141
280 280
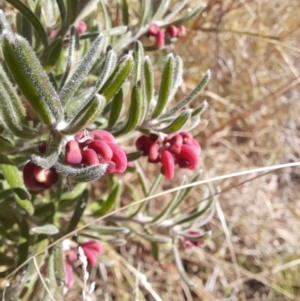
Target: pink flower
191 243
160 39
81 27
69 279
188 157
172 31
153 30
181 31
92 250
168 164
73 154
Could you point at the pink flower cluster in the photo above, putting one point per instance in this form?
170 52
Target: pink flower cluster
93 148
181 149
91 250
161 35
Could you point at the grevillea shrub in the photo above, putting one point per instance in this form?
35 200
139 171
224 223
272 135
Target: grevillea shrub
79 108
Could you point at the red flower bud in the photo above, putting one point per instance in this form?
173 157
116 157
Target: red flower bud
154 153
102 149
186 136
181 31
30 180
103 135
73 153
81 27
84 136
91 250
119 158
42 147
172 31
71 256
160 38
46 176
90 157
167 161
153 29
143 144
175 144
194 143
92 245
188 157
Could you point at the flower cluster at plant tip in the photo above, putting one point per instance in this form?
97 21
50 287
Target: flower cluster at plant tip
161 35
91 148
186 243
180 149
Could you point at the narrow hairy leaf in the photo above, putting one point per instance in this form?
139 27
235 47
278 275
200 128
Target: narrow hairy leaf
162 9
24 27
106 14
86 115
125 13
114 230
32 79
138 55
112 199
180 267
145 9
73 55
188 16
107 68
72 11
59 263
81 72
50 279
45 229
80 207
116 107
117 78
84 174
199 110
147 80
14 180
178 123
177 76
155 238
135 112
53 53
165 86
176 10
31 17
189 98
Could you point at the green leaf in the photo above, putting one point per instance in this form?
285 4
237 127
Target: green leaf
62 11
24 28
45 229
112 199
50 280
14 180
181 269
80 207
138 55
147 80
84 174
72 11
53 53
82 71
189 98
145 9
58 256
155 251
188 16
117 78
116 107
113 230
23 241
85 116
25 205
136 110
106 14
165 86
199 110
31 78
178 123
125 13
30 16
155 238
162 9
73 55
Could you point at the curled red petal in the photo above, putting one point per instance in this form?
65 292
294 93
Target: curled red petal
73 153
143 144
45 176
111 166
90 256
42 147
194 143
168 167
160 38
186 136
172 31
188 157
153 156
119 158
153 29
181 31
93 246
90 157
153 138
102 149
175 144
103 135
30 180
